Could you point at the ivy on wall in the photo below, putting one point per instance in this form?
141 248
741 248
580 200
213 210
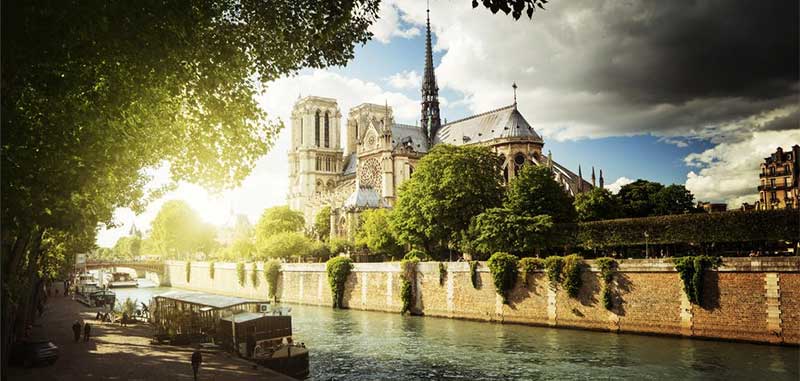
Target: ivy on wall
240 273
254 275
608 267
338 269
188 271
442 273
211 270
571 274
552 266
408 277
528 266
272 270
503 267
691 270
473 273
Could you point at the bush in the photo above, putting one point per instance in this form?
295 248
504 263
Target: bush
528 265
473 273
503 267
442 273
339 245
272 270
240 273
691 270
188 271
608 267
408 276
338 269
211 270
254 276
553 266
571 274
417 254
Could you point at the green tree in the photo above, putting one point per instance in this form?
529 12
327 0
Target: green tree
340 245
128 247
322 223
500 229
376 234
674 199
534 191
285 245
597 204
638 198
178 232
88 106
450 186
275 220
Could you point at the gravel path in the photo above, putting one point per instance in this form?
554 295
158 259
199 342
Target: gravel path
124 353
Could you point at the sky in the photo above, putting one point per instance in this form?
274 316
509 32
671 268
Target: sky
694 93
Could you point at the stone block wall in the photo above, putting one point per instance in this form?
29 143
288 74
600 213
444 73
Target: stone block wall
745 299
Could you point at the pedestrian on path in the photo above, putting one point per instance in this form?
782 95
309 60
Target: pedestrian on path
76 330
87 330
197 359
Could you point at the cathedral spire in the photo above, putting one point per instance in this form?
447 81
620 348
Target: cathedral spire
601 178
430 92
580 179
594 184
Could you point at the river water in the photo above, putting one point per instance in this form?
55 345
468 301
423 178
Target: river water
362 345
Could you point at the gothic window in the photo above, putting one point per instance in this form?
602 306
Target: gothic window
319 186
316 128
301 131
327 130
330 185
410 171
505 174
519 161
318 167
356 137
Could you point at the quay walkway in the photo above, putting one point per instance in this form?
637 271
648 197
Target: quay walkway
124 353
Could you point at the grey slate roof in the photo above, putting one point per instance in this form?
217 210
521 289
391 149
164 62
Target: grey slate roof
211 300
404 134
567 177
350 165
505 122
364 198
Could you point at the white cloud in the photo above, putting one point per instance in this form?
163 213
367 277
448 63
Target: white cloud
728 172
408 79
389 24
617 184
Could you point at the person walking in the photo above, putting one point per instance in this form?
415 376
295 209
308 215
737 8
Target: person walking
197 359
87 330
76 330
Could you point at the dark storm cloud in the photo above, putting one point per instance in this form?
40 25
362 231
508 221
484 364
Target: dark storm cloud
674 51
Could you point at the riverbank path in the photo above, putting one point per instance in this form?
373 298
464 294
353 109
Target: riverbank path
124 353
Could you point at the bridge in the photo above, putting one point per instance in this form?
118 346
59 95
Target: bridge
148 266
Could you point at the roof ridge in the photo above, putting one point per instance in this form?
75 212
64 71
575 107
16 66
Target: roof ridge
479 115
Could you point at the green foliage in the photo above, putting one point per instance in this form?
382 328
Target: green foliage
535 192
285 245
408 276
528 266
338 269
340 246
376 235
674 199
254 276
450 186
277 220
128 247
211 270
322 223
608 267
638 198
691 270
272 270
242 249
553 266
500 229
571 274
733 226
417 254
240 273
597 204
473 273
442 273
319 250
127 306
188 271
178 232
503 267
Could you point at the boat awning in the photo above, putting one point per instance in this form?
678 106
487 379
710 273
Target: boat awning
210 300
243 317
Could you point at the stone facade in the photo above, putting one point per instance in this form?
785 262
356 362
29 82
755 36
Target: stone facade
755 300
780 180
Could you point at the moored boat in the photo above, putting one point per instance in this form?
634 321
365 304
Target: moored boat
121 279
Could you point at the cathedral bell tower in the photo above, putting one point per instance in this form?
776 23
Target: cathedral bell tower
430 121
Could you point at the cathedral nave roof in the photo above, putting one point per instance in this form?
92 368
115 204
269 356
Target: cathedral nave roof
503 123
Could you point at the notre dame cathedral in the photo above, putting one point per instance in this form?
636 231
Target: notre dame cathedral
380 154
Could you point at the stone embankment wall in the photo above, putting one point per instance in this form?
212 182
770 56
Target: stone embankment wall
747 299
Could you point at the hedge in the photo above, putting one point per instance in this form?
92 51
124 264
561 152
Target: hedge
733 226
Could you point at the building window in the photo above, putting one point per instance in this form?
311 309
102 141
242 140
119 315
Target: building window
356 137
772 182
774 196
519 161
316 129
410 171
301 131
327 130
786 181
505 174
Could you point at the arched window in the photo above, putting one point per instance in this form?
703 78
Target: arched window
316 128
319 186
356 137
410 171
327 130
519 161
301 131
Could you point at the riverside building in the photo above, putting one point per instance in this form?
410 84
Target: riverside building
780 179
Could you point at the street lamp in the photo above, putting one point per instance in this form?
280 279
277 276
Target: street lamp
646 242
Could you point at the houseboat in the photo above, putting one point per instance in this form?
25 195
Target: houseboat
251 329
120 279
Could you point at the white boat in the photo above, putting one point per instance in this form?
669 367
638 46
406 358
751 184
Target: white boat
86 279
120 279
